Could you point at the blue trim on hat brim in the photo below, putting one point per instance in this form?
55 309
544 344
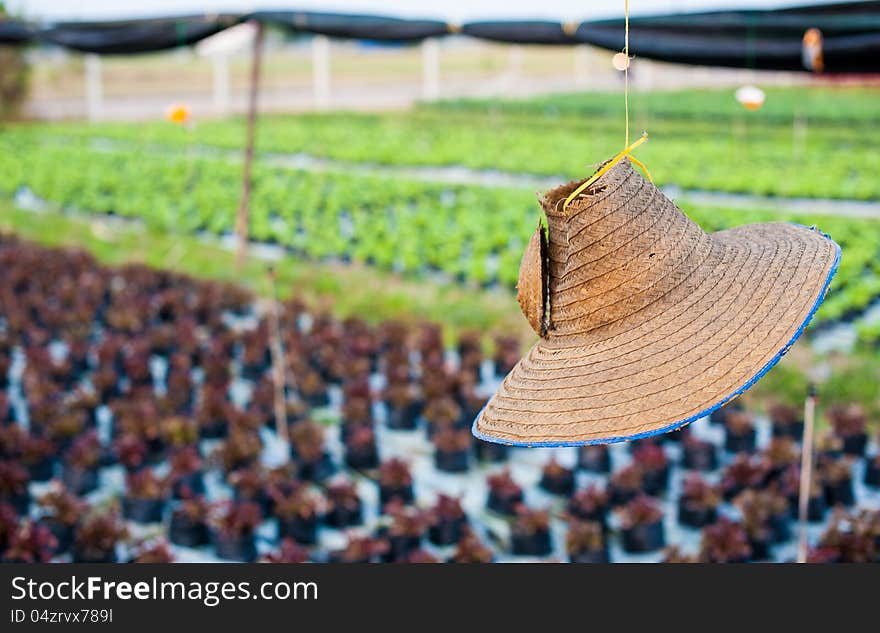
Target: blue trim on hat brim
677 425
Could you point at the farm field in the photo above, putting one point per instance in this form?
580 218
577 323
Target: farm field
138 415
153 439
697 139
170 178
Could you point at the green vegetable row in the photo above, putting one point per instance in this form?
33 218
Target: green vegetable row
719 148
473 234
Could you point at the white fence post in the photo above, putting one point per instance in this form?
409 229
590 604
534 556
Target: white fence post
430 69
515 60
94 90
221 84
321 71
581 65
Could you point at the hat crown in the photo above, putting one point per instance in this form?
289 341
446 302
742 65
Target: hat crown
616 249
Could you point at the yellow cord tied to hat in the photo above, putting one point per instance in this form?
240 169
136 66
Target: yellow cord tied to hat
608 166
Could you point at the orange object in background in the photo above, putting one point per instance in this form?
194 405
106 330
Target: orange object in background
751 97
811 54
178 113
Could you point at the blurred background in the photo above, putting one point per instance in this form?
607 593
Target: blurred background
259 269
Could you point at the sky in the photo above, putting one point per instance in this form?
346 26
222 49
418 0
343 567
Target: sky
451 10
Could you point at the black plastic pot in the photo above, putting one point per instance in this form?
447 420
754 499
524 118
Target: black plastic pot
872 473
260 498
597 556
504 504
536 544
317 400
142 510
780 528
363 459
447 532
719 416
191 485
561 484
491 451
620 496
216 430
404 418
760 548
501 369
644 538
815 509
43 470
830 454
452 462
655 482
729 494
302 530
253 372
339 557
599 515
675 437
62 532
341 517
695 517
240 548
794 430
594 459
839 493
403 493
855 444
187 533
399 545
21 502
80 481
739 443
702 457
83 556
316 470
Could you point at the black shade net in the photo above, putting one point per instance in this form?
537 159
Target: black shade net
771 39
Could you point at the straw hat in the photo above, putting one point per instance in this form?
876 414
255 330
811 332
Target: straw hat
647 323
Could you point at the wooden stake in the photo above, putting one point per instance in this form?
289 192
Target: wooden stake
242 219
806 473
279 373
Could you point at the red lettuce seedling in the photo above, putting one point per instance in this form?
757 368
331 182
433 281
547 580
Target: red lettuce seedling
30 543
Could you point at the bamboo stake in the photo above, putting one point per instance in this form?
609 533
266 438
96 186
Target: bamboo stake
242 219
279 373
806 472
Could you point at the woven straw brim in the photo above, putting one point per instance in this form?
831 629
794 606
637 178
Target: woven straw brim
705 341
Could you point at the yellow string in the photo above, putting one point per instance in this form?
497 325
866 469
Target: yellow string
641 166
628 149
606 168
626 70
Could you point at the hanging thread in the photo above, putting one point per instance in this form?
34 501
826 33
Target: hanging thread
627 147
627 151
626 70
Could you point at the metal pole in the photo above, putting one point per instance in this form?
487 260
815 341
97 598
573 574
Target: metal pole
806 473
241 222
278 369
430 69
321 71
94 89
